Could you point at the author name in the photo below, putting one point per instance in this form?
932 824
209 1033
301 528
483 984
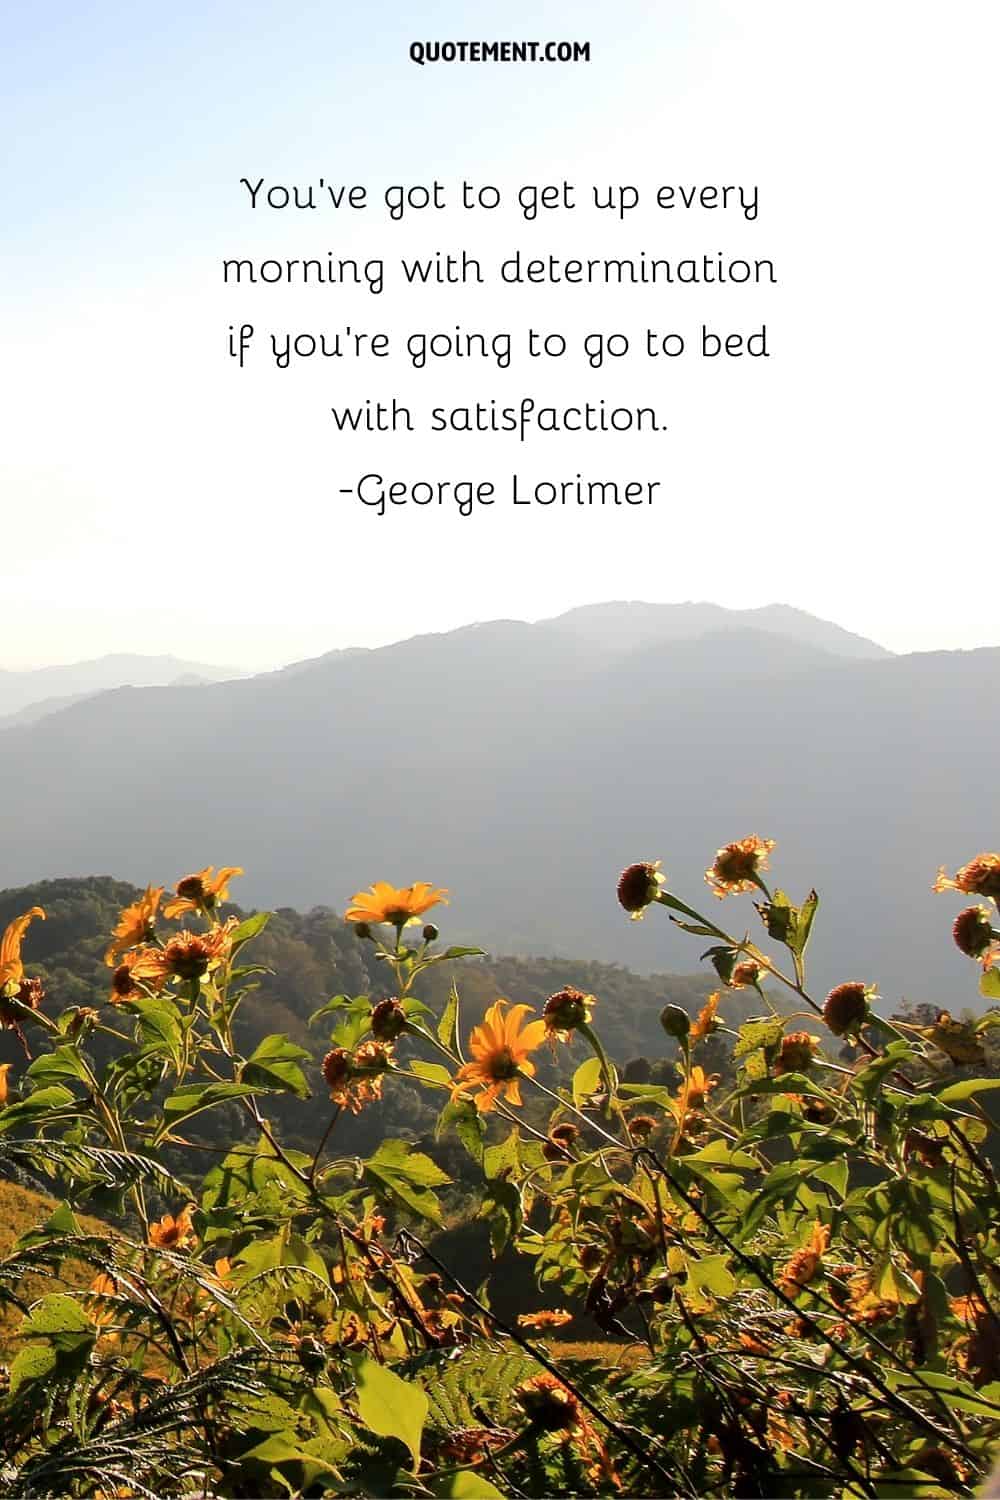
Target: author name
466 495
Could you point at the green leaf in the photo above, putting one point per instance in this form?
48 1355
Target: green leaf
275 1066
38 1103
192 1098
57 1314
989 984
409 1175
389 1406
711 1274
63 1062
470 1127
765 1031
160 1027
249 928
586 1079
461 953
956 1092
465 1484
447 1029
34 1363
429 1072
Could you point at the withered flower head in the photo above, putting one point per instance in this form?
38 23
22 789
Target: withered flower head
565 1011
845 1009
641 1127
591 1256
190 955
556 1317
560 1138
388 1020
737 866
355 1078
980 877
973 931
805 1263
798 1049
745 975
548 1404
638 886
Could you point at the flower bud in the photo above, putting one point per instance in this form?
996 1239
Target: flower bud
675 1022
431 933
362 930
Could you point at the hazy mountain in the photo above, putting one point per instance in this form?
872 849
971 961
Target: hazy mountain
47 689
524 765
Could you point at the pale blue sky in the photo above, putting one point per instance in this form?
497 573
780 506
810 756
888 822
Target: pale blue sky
157 500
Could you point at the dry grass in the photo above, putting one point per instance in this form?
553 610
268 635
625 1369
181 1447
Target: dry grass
615 1356
20 1211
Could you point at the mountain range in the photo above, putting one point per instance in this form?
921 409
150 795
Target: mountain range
33 694
522 765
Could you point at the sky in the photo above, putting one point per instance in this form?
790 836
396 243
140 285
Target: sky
158 498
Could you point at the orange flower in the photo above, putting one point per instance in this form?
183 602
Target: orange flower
745 975
11 967
545 1318
398 905
705 1022
189 955
500 1048
737 867
4 1085
693 1092
798 1049
549 1404
171 1233
141 964
202 892
102 1288
980 877
805 1263
135 924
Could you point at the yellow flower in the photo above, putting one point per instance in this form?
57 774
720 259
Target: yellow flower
500 1048
135 924
736 867
11 967
387 903
172 1234
202 892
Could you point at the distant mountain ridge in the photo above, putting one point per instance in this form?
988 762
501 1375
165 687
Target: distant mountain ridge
32 694
524 765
